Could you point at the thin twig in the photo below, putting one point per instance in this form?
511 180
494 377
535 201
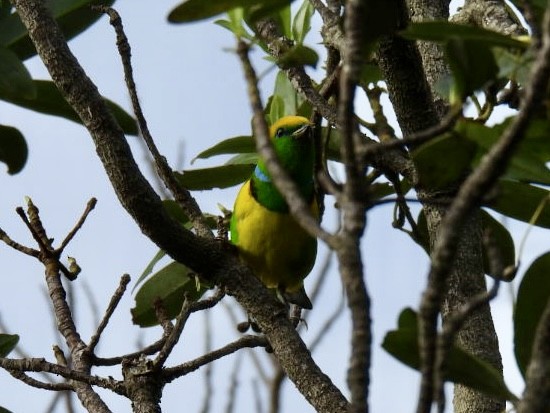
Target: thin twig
208 387
248 341
41 365
277 45
89 207
113 361
328 324
115 300
233 384
19 375
16 246
44 245
187 309
414 139
353 207
275 388
182 196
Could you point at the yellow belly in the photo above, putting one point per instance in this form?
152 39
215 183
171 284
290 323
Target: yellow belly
277 249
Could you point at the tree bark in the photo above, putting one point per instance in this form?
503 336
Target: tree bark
401 62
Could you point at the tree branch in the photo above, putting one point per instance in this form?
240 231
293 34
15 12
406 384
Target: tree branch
182 195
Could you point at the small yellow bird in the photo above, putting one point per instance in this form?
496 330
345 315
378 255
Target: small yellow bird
269 240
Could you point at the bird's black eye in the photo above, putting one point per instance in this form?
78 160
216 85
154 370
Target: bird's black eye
280 132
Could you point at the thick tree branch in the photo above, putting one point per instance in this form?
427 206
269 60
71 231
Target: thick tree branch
536 397
478 184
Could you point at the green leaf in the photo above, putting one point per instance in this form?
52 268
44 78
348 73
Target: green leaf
235 23
291 99
217 177
529 161
276 108
175 211
237 144
520 201
264 8
443 161
7 343
5 8
473 65
533 296
298 55
514 65
462 367
423 236
49 101
15 79
73 16
244 158
194 10
370 73
442 31
13 149
170 284
149 269
282 17
302 22
4 410
334 143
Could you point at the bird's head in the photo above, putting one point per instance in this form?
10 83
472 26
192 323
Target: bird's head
290 128
292 139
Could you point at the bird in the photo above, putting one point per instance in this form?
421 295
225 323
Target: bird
268 239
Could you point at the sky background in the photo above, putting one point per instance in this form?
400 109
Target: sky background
193 95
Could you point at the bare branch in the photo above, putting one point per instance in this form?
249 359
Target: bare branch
353 207
39 384
187 308
115 300
278 46
89 207
233 385
171 373
41 365
182 196
16 246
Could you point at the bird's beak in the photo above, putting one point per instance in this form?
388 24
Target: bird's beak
302 130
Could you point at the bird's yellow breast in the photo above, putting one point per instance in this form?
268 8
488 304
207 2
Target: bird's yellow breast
279 251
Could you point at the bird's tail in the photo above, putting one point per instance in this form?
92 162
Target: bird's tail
299 297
